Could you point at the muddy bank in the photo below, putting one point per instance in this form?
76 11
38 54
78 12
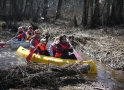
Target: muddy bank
106 48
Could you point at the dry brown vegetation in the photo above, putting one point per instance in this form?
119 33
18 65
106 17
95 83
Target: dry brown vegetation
41 76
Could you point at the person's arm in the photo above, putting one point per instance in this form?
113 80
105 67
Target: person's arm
70 49
39 51
51 51
16 36
58 47
32 44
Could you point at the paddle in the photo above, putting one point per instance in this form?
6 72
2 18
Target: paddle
30 54
76 54
2 43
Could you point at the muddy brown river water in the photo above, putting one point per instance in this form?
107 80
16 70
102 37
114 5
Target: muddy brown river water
111 79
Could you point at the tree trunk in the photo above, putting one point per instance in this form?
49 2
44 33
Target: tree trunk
3 9
84 16
58 13
44 12
106 14
113 13
123 14
75 21
15 12
35 19
32 12
20 6
24 9
92 24
35 75
119 12
97 12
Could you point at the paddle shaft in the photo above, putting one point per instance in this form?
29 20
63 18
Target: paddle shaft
4 43
30 55
76 54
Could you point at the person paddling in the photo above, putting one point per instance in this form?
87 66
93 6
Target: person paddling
29 33
35 40
20 35
42 48
63 48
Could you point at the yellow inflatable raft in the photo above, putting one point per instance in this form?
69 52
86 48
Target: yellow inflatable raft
22 52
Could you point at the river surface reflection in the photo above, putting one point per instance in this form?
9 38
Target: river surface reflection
111 79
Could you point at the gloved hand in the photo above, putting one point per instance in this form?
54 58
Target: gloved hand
29 33
70 50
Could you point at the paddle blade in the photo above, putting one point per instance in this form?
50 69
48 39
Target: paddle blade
2 44
29 56
77 55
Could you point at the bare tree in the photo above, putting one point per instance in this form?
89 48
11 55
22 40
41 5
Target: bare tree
58 12
44 12
92 24
84 16
123 14
24 8
119 13
113 12
3 9
96 12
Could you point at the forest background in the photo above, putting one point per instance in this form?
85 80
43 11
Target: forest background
86 13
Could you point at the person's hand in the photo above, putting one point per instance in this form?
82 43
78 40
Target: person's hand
32 47
57 42
29 33
70 48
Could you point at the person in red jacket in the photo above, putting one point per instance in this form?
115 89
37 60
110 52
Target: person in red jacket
42 48
30 32
63 48
20 34
35 40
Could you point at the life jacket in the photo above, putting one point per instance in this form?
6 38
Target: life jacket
36 42
58 53
20 36
42 49
30 33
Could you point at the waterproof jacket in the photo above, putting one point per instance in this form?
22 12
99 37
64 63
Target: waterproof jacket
62 50
33 44
29 34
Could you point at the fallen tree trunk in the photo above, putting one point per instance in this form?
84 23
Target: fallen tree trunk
38 74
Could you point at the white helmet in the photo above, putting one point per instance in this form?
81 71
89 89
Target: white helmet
30 27
42 40
20 29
